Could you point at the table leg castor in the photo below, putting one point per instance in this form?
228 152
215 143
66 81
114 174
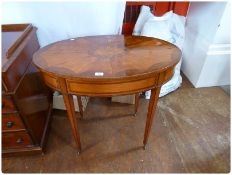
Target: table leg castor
144 147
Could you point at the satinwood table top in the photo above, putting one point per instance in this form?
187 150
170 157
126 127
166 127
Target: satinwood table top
114 56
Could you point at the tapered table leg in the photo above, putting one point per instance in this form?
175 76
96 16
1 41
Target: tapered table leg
68 100
136 103
80 105
150 114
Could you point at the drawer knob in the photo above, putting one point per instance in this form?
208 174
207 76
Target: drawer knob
9 124
19 140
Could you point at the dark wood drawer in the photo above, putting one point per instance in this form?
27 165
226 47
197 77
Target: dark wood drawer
16 139
7 104
12 122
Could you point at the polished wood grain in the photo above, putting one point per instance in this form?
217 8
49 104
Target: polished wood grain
34 102
80 105
136 103
11 43
12 122
26 100
107 66
14 140
117 57
68 100
8 105
151 111
14 67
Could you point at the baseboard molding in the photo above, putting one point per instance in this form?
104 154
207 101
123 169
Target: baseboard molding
219 49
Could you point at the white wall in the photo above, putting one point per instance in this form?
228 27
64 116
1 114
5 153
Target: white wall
202 63
223 33
61 20
216 71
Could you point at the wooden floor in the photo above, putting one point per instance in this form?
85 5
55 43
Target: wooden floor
191 133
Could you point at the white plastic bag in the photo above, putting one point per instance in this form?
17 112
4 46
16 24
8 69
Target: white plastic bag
144 15
169 27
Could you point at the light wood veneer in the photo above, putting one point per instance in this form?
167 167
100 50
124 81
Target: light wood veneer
127 65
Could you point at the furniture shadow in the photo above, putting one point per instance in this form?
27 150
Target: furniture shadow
109 156
104 118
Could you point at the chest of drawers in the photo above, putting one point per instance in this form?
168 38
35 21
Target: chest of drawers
26 101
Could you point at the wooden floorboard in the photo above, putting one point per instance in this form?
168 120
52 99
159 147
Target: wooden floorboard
191 133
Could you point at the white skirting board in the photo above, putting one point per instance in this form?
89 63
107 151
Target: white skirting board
58 102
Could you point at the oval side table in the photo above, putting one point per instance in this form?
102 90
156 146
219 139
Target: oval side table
107 66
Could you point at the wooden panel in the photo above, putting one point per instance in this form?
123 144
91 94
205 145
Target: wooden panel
14 68
180 8
131 14
16 139
7 104
163 7
15 27
13 75
108 89
166 76
9 30
12 122
50 80
29 125
34 101
22 151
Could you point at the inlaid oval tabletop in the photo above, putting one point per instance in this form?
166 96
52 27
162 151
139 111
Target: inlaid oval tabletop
111 57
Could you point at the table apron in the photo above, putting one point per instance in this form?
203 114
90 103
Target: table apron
100 89
90 88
